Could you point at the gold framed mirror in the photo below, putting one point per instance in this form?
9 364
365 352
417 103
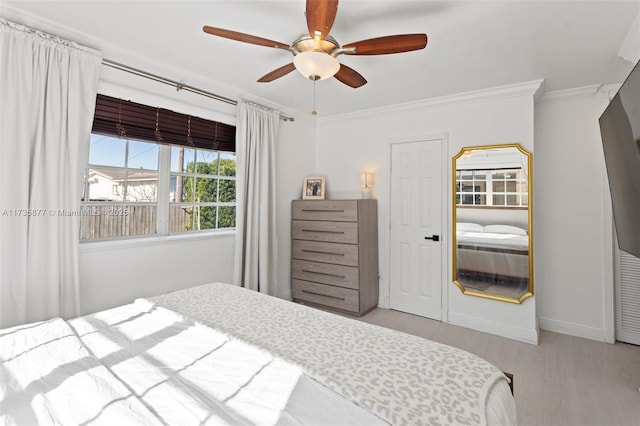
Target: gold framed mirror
492 222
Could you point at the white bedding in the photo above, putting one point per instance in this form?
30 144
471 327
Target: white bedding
233 356
493 240
48 377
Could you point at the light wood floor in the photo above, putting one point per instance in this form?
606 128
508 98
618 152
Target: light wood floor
564 381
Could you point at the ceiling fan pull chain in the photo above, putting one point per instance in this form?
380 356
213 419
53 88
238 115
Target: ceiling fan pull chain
314 112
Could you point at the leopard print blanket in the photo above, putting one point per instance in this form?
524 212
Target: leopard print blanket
403 379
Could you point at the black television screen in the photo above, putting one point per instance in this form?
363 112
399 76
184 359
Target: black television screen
620 130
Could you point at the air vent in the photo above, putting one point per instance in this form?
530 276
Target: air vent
629 314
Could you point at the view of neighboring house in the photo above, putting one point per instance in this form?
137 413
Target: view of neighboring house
106 184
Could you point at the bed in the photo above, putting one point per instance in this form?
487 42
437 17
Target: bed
221 354
496 253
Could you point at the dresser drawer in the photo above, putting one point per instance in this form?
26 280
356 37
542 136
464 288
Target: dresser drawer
340 254
336 297
325 273
340 211
333 232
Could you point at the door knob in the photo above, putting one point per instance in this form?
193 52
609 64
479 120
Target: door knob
433 237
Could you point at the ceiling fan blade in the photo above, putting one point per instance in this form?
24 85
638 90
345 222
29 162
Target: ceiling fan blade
247 38
320 16
277 73
350 77
388 44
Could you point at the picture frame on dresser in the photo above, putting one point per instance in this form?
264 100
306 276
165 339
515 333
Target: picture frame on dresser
313 188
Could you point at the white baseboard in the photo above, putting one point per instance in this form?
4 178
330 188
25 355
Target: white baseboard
577 330
499 329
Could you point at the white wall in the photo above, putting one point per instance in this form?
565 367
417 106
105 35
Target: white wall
295 159
117 272
350 144
573 217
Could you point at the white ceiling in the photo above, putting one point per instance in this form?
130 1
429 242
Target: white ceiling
472 45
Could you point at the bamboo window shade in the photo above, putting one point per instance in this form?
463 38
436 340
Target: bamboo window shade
126 119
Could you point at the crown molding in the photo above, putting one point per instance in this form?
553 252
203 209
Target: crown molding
529 88
577 92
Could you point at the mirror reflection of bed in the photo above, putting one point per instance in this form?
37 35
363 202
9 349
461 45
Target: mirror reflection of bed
492 219
493 259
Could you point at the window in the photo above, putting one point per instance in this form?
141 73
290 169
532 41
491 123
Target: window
120 189
203 190
160 181
509 188
471 187
491 187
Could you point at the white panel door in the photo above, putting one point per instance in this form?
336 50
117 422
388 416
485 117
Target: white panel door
416 228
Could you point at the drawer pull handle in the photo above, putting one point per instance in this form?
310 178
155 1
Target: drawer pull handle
325 273
323 210
322 252
323 231
323 295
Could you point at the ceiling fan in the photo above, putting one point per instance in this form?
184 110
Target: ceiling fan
315 53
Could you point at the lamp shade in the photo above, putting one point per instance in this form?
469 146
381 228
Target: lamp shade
316 64
366 180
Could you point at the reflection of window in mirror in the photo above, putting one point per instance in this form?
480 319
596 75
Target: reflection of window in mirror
471 187
491 187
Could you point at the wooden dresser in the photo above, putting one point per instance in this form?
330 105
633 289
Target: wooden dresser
334 254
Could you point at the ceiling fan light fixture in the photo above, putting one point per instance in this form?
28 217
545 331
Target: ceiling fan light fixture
316 65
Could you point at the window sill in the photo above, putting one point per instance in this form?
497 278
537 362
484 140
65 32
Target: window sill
153 240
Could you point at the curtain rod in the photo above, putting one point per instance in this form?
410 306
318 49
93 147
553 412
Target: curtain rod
179 86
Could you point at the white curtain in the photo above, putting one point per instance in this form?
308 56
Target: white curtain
47 92
255 253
